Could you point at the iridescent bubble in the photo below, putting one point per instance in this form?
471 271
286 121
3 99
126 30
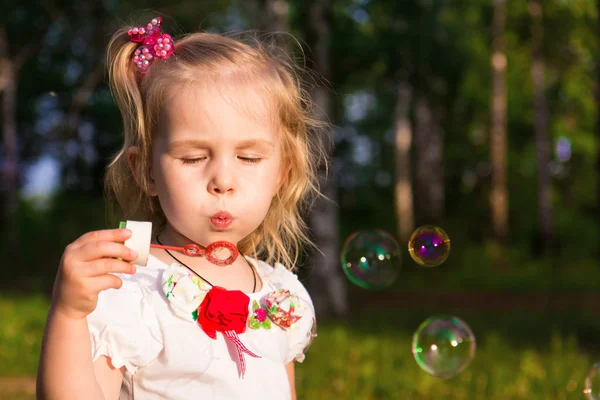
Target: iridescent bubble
371 259
591 387
443 346
429 246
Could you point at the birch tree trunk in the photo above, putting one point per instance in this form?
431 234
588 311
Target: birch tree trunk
277 15
269 15
542 141
326 282
597 93
429 176
10 156
499 191
403 187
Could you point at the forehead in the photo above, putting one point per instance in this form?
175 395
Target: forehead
224 112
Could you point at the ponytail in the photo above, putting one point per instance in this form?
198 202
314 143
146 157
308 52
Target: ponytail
125 87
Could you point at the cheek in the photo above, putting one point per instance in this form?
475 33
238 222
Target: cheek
259 201
173 173
260 187
172 182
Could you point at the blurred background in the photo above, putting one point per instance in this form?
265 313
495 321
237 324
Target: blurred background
477 116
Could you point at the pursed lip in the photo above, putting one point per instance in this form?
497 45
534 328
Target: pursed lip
222 219
222 215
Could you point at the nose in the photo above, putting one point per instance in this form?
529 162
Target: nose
222 179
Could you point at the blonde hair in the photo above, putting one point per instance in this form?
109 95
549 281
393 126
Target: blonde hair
198 57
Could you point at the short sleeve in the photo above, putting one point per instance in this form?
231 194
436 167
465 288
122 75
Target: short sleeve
124 327
302 332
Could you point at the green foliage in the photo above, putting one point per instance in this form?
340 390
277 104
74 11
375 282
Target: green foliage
441 48
43 234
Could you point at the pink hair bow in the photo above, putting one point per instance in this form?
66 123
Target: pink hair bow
154 44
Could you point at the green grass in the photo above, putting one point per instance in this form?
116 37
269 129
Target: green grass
346 364
22 321
519 356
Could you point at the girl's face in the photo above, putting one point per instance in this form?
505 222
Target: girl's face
216 164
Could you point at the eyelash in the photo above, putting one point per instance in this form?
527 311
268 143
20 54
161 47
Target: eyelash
249 160
192 160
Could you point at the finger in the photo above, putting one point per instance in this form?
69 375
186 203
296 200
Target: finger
106 235
105 266
107 281
96 250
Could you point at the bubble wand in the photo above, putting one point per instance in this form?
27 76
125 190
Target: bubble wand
220 253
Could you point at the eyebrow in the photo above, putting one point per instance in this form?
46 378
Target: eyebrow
199 143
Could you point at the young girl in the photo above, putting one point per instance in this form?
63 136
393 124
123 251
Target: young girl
217 147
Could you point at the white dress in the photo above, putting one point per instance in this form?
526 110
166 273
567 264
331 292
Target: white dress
168 356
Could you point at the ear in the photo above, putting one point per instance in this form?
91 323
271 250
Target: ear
133 158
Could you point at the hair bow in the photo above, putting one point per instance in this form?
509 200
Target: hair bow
154 44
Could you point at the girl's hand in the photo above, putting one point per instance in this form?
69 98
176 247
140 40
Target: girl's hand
87 267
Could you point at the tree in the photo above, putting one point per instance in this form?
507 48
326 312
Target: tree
327 283
597 95
498 147
430 84
403 186
542 141
270 16
429 182
15 51
8 86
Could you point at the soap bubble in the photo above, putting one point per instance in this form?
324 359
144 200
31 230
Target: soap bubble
443 346
429 246
371 259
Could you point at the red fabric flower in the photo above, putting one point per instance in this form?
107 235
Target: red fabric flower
223 310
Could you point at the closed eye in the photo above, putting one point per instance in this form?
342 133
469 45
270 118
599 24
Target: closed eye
192 160
250 160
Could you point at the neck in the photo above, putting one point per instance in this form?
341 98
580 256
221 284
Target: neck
172 237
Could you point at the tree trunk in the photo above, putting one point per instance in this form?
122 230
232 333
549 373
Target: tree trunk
499 191
597 89
10 159
9 129
276 22
270 16
403 187
277 16
429 182
326 282
542 142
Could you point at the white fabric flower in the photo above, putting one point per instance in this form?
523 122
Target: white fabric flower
184 291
